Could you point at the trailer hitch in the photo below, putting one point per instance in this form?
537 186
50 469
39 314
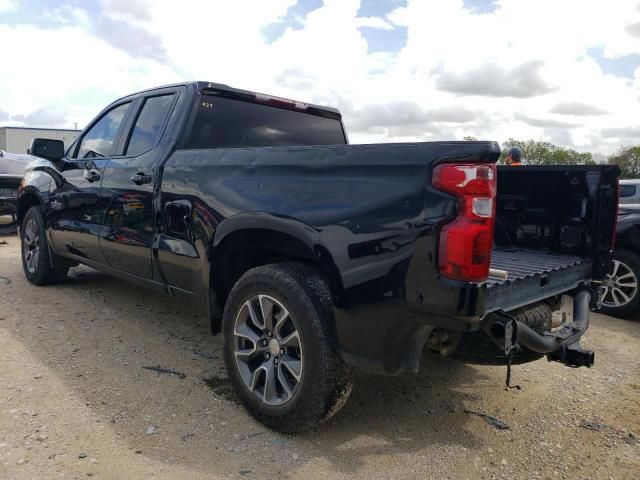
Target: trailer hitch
561 345
573 356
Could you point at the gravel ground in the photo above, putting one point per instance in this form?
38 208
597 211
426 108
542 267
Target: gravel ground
76 401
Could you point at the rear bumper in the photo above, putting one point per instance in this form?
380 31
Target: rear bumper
383 328
390 338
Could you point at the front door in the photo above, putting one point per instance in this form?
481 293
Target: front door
75 212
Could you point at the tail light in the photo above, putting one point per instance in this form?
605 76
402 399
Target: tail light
280 102
466 242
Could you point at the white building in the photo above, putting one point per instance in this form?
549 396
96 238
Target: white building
18 139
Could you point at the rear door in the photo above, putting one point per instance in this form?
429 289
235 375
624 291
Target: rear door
128 187
76 214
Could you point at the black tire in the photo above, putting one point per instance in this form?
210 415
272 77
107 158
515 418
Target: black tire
36 256
325 381
478 348
628 263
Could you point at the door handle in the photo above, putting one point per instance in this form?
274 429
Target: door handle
91 176
141 178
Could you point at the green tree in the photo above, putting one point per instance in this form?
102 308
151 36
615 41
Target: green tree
546 153
628 159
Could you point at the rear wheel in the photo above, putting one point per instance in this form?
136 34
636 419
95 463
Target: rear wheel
280 347
36 259
621 297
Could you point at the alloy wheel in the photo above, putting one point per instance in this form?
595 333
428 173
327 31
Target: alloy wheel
268 350
620 287
31 241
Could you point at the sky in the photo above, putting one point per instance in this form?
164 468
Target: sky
565 71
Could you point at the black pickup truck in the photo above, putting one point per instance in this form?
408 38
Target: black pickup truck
313 256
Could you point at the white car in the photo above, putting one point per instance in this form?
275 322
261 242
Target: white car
11 172
630 192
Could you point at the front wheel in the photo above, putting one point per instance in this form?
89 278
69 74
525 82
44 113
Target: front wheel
280 347
36 260
621 297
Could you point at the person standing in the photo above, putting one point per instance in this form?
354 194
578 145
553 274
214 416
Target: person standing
514 157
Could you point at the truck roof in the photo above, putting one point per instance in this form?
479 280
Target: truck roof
203 86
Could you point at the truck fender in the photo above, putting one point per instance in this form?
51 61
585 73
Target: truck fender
300 241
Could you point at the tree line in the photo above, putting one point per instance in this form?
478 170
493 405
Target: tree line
546 153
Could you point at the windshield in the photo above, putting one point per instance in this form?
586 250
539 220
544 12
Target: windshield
228 123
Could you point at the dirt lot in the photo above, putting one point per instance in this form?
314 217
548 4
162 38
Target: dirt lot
76 401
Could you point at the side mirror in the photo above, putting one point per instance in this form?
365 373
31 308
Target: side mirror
47 148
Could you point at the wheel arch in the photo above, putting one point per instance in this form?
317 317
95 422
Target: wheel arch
250 240
28 197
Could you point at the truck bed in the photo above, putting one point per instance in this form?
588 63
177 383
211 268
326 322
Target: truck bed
531 275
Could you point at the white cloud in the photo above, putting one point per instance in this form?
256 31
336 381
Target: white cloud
69 15
543 122
521 71
51 116
491 80
65 67
577 109
483 52
8 5
373 22
137 11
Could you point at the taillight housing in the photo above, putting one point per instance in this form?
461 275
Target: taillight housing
466 242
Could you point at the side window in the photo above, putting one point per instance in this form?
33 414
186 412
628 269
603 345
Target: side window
627 190
101 139
150 120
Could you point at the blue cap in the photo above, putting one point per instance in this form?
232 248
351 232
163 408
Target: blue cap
515 153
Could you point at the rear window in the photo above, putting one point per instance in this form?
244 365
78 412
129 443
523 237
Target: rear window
627 191
226 123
